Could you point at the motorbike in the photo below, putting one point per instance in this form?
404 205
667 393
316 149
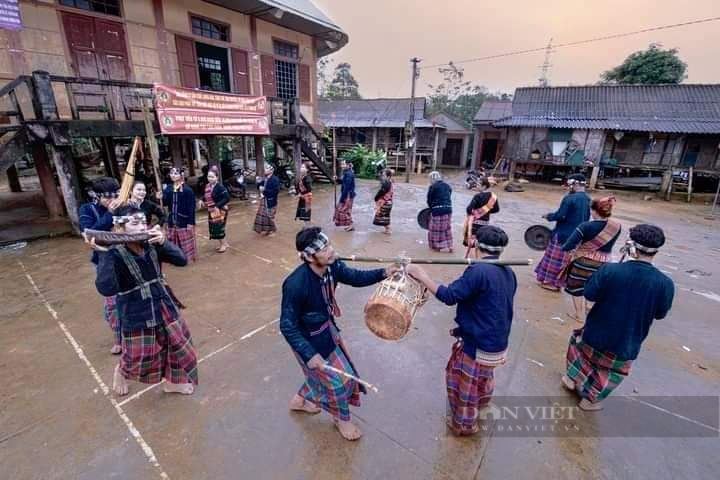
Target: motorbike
235 180
286 175
473 179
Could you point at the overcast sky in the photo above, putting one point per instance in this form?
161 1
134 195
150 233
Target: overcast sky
385 34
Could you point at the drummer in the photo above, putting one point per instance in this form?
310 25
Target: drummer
484 297
307 320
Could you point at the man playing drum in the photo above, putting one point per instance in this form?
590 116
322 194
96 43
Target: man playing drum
307 321
484 297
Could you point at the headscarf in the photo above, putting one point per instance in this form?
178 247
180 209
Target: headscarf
320 242
491 239
577 179
604 205
434 176
104 187
644 238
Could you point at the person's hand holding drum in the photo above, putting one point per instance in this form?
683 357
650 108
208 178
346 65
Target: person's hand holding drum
392 269
157 236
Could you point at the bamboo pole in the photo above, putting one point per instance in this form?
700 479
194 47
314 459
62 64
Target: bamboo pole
154 149
436 261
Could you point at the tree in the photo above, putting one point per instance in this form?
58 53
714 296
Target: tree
323 80
457 96
651 66
343 85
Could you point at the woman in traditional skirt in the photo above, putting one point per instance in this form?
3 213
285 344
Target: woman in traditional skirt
590 246
440 226
574 210
179 199
343 209
304 189
156 341
267 208
98 215
216 200
151 209
478 212
384 202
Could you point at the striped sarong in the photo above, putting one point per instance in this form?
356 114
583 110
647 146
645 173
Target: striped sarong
265 219
550 268
343 213
595 374
185 239
165 351
382 214
440 232
304 208
578 273
328 390
470 386
112 318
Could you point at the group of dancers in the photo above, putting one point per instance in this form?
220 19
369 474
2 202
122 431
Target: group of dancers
155 343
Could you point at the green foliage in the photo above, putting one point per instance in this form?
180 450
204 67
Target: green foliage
458 97
343 85
651 66
365 161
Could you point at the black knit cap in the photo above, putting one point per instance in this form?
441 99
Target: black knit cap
491 236
646 235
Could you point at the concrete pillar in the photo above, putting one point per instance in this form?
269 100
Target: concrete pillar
594 176
13 179
435 149
53 202
374 138
244 151
259 156
176 151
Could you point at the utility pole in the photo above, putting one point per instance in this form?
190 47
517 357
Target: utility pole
410 127
545 67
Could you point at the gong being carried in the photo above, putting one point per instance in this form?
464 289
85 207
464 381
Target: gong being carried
538 237
423 218
390 311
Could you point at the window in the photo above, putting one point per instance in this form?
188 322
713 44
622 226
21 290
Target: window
210 29
285 49
108 7
286 77
558 140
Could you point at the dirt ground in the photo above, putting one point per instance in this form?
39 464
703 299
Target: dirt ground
59 421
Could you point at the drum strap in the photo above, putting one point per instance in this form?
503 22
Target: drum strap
327 285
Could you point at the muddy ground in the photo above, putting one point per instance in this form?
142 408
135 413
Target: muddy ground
57 420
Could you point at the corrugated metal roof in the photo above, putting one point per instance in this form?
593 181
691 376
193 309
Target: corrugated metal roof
376 112
492 110
450 123
651 108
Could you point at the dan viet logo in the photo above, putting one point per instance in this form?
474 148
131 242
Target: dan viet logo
552 413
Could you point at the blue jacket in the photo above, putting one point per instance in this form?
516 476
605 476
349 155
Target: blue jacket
220 195
180 205
628 296
95 217
585 232
438 198
347 185
113 277
574 210
272 189
304 309
484 296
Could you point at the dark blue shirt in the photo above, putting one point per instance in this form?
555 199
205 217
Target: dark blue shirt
484 296
438 198
304 309
180 205
480 200
347 185
628 296
220 195
585 232
574 209
95 217
271 191
113 277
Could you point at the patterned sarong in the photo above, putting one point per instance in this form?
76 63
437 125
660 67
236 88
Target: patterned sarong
382 214
112 318
265 219
579 272
596 374
343 213
304 207
185 239
217 217
165 351
332 392
470 386
440 232
550 268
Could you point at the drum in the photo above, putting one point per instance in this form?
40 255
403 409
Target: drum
538 237
390 311
115 238
423 218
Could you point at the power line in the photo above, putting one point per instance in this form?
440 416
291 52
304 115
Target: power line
578 42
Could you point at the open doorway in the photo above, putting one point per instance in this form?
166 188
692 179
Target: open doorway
489 152
213 67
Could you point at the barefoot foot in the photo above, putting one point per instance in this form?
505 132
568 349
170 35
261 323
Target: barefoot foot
120 385
299 404
182 388
586 405
567 383
116 349
348 430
